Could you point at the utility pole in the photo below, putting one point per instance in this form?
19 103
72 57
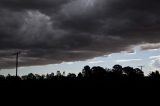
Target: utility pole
141 67
17 55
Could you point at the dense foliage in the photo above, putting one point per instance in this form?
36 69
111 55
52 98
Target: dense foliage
96 76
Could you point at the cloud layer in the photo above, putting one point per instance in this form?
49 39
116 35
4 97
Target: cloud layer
54 31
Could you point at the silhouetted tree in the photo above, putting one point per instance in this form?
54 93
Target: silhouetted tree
59 74
129 71
133 73
108 70
24 77
80 75
50 76
99 72
9 77
117 69
31 76
139 72
38 77
87 72
2 77
154 75
43 77
71 75
12 78
64 73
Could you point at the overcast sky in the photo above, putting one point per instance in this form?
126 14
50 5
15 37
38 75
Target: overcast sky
60 31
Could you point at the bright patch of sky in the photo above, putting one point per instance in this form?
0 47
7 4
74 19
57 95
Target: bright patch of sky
148 58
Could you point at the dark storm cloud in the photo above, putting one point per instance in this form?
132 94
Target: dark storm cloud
31 4
53 31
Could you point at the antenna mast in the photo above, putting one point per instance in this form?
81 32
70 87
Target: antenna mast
141 67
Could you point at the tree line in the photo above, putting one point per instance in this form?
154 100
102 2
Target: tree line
90 77
94 73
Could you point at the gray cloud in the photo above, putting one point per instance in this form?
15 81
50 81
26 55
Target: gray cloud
19 5
155 63
51 31
150 46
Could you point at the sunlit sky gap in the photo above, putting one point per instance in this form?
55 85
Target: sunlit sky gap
148 58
